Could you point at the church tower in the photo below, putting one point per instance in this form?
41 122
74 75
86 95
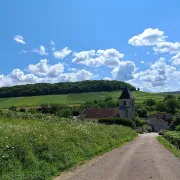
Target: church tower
127 105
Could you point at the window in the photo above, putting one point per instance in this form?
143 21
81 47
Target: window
124 103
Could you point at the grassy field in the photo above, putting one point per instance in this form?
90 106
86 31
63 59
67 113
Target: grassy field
70 99
39 149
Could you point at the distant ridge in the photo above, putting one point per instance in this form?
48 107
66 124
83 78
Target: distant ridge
172 92
63 88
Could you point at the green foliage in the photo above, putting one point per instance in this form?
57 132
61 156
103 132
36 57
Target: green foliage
169 96
161 106
176 120
173 137
22 110
37 150
139 122
63 88
64 113
142 112
12 108
177 128
150 102
118 121
172 104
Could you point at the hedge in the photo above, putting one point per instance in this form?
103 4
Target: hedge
118 121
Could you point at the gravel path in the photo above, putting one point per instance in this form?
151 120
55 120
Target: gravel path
145 158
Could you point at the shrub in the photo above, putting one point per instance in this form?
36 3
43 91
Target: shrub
161 106
64 113
139 122
172 104
22 110
118 121
169 96
177 128
142 112
150 102
176 120
12 108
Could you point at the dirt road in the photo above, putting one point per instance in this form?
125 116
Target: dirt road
144 158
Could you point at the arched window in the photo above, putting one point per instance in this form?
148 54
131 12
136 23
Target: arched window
124 103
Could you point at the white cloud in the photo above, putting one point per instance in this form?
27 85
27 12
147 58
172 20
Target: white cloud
61 54
109 57
41 51
148 38
19 39
142 62
167 47
159 75
176 59
107 78
44 69
148 53
124 71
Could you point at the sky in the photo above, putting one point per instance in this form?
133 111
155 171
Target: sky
75 40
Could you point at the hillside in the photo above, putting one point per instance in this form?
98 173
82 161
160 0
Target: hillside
36 149
63 88
74 98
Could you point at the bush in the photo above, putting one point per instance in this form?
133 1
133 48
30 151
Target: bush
118 121
161 106
22 110
176 120
12 108
177 128
64 113
142 112
172 104
139 122
150 102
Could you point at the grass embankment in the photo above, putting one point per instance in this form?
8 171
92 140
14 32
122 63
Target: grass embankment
37 149
76 98
169 146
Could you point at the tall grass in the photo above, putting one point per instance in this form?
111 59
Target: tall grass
37 150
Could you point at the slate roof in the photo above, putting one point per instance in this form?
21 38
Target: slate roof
126 94
100 112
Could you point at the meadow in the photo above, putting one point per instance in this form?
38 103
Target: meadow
74 99
39 149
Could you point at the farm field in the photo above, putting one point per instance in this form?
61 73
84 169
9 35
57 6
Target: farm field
76 98
38 149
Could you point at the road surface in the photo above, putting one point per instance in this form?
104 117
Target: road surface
143 159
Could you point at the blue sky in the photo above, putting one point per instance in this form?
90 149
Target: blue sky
75 40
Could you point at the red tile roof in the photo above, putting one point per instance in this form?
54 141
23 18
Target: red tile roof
100 112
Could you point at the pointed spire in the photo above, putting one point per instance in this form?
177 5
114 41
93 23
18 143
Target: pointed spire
126 94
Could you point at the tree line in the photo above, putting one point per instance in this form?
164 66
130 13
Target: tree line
63 88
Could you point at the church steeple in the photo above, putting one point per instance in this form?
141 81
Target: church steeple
127 105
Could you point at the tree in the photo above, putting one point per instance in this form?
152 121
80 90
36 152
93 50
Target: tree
169 96
138 89
150 102
161 106
171 104
22 110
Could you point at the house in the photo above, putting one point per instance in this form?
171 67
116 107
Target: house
126 108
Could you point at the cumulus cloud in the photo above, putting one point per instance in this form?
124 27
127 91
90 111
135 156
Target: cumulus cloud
176 59
107 78
109 57
167 47
44 69
124 71
148 38
19 39
61 54
41 51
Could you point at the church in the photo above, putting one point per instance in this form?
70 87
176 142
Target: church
126 109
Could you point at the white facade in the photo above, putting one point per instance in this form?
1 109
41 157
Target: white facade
127 108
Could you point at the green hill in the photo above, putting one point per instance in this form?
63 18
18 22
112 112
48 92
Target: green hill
74 98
